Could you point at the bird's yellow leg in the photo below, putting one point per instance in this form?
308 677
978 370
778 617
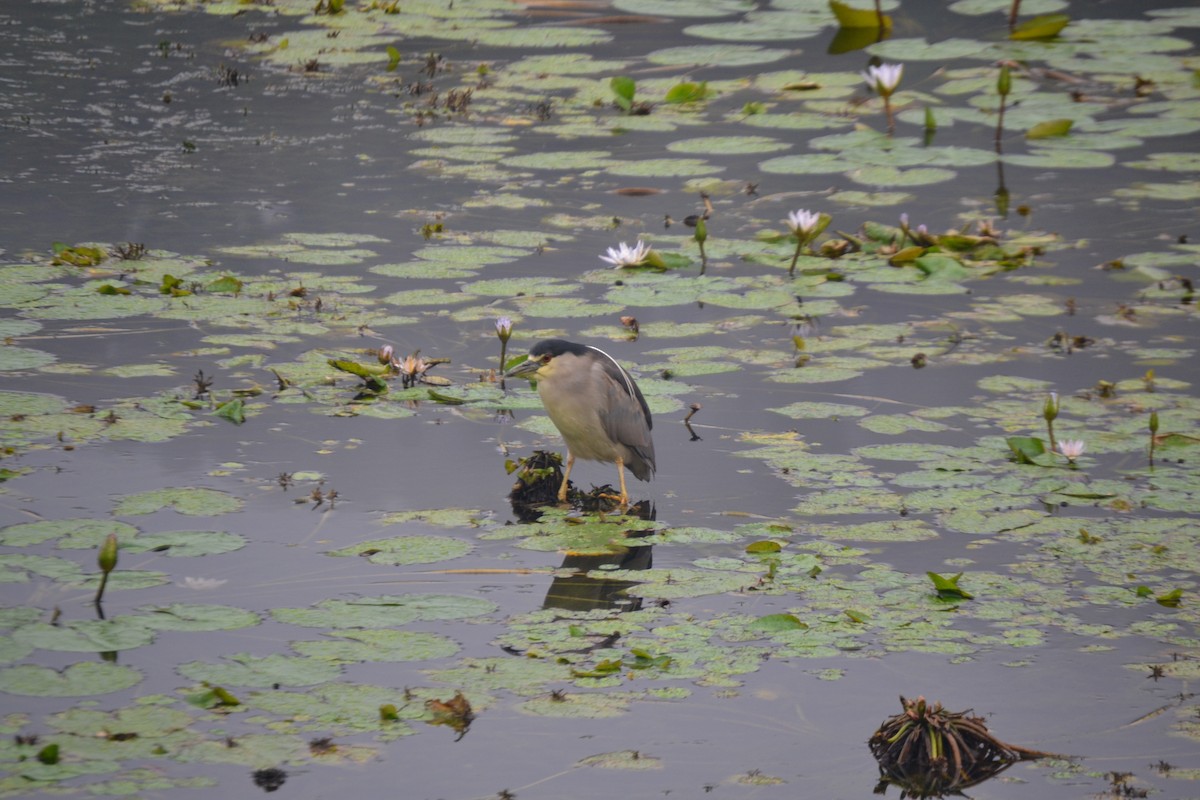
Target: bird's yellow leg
562 490
621 475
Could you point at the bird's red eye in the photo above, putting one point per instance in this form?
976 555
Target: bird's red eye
545 359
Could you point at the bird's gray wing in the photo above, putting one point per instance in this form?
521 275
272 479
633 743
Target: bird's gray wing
628 418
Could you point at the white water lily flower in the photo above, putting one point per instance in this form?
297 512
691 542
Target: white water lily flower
626 256
504 328
1071 448
803 222
884 78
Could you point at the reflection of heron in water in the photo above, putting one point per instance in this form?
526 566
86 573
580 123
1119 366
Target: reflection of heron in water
580 591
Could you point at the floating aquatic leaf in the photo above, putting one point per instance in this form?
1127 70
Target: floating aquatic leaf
850 17
233 410
86 636
399 550
187 500
1046 26
1049 128
623 88
724 55
74 533
195 617
243 669
186 544
624 759
1026 448
688 92
778 622
379 645
948 588
385 611
78 680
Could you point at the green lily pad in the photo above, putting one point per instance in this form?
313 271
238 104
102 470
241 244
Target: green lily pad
74 533
243 669
400 550
196 617
78 680
181 544
385 611
722 55
189 501
379 645
86 636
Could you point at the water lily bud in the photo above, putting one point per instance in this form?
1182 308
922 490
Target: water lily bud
1153 422
1004 81
701 231
385 354
504 328
1050 409
108 554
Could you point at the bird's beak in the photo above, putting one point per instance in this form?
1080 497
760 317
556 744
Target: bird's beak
524 370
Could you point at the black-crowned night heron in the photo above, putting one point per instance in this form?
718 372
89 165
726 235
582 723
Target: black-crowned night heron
595 405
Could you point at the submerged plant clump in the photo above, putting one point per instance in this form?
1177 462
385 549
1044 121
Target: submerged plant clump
928 751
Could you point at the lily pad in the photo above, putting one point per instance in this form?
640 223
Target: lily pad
78 680
401 550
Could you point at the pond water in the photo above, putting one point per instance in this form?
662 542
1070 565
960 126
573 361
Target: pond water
207 203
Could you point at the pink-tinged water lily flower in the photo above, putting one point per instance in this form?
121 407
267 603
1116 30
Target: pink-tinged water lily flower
626 256
1071 448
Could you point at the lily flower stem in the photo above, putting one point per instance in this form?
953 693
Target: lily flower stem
796 256
1000 125
1050 434
503 353
100 594
887 107
704 258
